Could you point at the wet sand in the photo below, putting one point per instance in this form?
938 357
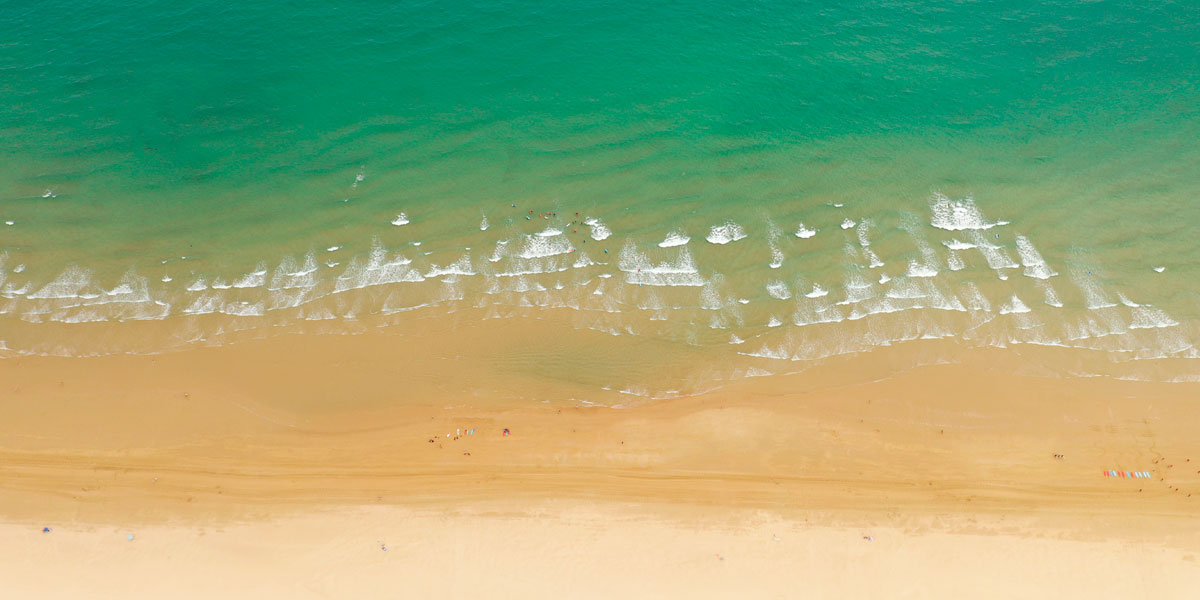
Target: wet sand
281 467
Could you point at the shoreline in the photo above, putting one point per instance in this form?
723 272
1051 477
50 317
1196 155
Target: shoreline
952 459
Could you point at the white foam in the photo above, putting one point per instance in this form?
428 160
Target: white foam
724 234
955 262
916 269
401 219
847 224
380 269
857 289
205 304
308 268
878 307
817 292
1109 324
582 261
220 284
779 290
333 248
499 252
995 255
167 279
10 223
289 275
83 316
883 278
69 284
1014 306
922 293
538 246
958 215
957 245
906 289
940 301
11 290
807 315
640 270
550 232
652 301
522 285
853 253
460 267
19 268
599 230
777 353
1051 295
483 224
243 309
155 311
710 299
533 267
774 322
1145 317
804 232
1159 269
875 263
675 238
733 339
1093 294
863 229
132 288
1035 265
322 314
1127 301
776 253
256 278
975 299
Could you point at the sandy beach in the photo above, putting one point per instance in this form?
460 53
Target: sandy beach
284 467
587 550
613 300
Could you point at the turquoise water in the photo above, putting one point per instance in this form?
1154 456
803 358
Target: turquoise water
148 148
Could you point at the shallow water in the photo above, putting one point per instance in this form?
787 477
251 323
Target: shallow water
845 178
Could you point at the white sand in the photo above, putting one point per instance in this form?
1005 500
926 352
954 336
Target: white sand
574 550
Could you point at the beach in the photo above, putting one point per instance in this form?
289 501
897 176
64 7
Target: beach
593 551
613 299
935 481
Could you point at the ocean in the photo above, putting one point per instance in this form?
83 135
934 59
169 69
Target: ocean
749 189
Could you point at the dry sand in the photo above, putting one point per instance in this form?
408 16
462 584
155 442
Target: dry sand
568 549
280 468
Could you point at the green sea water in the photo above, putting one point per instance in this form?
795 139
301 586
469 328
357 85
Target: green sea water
214 166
